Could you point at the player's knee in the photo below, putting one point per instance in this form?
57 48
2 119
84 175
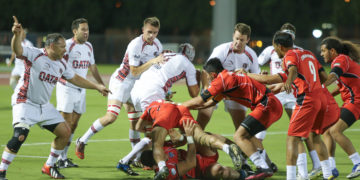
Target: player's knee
19 136
109 118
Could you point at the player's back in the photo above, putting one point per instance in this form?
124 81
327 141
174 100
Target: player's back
308 66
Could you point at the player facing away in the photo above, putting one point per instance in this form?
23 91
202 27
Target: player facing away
70 99
304 74
344 57
163 116
19 64
198 161
30 101
141 53
266 108
148 89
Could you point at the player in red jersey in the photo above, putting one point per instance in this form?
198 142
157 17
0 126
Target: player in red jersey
344 57
266 108
163 116
304 74
197 162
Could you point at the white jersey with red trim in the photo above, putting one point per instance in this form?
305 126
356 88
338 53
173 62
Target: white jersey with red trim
269 54
137 53
40 76
80 58
24 43
232 60
158 79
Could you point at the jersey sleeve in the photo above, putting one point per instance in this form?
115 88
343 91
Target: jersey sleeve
190 74
134 53
218 53
145 115
265 56
290 60
217 86
92 58
30 53
340 65
283 76
255 68
69 72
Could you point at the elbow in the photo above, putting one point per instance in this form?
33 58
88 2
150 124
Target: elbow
195 92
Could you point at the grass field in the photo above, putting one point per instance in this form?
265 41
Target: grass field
108 146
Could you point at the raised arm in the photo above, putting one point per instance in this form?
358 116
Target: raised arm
16 39
190 160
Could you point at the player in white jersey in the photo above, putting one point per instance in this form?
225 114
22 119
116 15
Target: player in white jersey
70 98
19 64
148 89
141 53
30 101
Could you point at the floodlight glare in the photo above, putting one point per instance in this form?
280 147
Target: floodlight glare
317 33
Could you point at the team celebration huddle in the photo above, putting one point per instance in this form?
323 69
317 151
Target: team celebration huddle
254 98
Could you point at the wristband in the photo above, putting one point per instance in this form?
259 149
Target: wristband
190 139
181 138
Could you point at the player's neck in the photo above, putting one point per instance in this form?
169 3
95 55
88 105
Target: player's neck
77 41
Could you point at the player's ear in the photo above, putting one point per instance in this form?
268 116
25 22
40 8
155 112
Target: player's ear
74 31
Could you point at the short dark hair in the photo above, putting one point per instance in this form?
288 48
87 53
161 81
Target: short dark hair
288 26
53 38
284 39
213 65
153 21
243 28
147 158
76 22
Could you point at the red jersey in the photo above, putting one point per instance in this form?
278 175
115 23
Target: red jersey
308 68
348 72
237 87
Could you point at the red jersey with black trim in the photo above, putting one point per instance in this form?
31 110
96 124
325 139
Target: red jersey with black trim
238 87
308 68
349 80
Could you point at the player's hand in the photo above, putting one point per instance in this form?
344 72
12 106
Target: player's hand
287 87
103 90
264 72
276 88
169 95
189 127
241 70
166 51
17 28
159 60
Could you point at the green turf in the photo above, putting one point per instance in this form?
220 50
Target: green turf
102 156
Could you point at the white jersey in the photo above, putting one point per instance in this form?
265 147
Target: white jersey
158 79
19 62
137 53
232 60
80 58
269 54
40 76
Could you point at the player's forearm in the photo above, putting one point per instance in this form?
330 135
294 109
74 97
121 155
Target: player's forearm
96 75
191 155
16 45
137 70
292 74
335 91
331 79
193 90
194 103
81 82
265 79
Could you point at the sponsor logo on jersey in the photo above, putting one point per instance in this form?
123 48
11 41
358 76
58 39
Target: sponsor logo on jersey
43 76
136 56
89 54
245 65
156 53
81 64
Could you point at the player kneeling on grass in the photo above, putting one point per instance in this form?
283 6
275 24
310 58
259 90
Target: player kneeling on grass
191 164
164 116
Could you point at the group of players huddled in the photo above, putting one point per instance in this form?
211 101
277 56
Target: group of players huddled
142 84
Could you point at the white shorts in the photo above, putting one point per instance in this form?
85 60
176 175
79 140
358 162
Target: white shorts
19 68
120 90
70 99
230 104
142 97
287 100
30 113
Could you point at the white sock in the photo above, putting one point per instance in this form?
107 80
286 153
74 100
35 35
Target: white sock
137 148
302 165
161 164
7 158
258 160
332 163
95 127
134 137
315 159
325 166
355 158
54 154
290 172
226 148
63 155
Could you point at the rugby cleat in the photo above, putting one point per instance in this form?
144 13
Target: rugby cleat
260 173
273 167
299 177
162 174
126 169
355 172
3 175
315 173
80 149
67 163
235 155
52 172
335 172
330 178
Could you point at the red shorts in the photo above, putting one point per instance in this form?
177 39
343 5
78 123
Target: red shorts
329 114
203 162
268 111
354 108
304 115
172 116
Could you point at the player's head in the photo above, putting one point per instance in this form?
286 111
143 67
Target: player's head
80 29
55 45
333 46
213 67
289 28
187 50
150 29
241 37
147 158
282 42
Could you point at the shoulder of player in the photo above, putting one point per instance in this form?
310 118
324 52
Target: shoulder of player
223 47
136 43
268 50
250 51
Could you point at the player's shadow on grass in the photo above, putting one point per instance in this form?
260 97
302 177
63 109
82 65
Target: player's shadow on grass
5 108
